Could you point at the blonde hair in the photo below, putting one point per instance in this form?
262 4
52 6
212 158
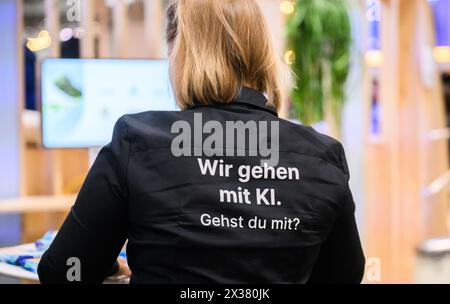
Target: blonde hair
218 46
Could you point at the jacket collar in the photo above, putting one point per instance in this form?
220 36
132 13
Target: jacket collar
254 98
247 97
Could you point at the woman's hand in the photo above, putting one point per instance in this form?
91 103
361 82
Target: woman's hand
123 273
124 270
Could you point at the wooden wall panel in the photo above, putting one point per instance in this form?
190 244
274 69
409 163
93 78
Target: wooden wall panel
403 162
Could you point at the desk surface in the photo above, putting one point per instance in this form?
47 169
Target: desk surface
22 274
35 204
15 271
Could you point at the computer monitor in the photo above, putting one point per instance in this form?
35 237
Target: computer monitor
82 99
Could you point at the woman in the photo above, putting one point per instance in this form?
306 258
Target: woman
223 191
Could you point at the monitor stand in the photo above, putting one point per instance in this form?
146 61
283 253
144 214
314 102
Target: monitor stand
93 153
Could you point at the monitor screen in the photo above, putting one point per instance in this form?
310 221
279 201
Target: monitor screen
82 99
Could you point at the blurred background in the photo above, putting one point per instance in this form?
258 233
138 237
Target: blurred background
372 73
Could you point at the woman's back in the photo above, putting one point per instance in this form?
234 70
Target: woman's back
230 218
223 191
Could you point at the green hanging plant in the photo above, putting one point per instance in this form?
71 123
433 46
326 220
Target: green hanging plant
318 41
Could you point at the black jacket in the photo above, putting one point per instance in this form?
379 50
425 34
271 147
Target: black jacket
183 226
